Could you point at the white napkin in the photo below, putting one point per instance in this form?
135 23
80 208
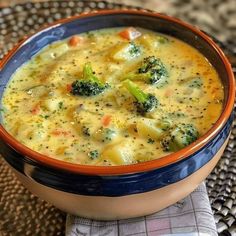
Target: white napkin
191 216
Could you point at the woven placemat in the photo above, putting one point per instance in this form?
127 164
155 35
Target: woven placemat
21 213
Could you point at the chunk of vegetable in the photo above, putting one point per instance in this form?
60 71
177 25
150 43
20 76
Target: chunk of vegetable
89 85
125 51
52 104
145 102
75 40
149 128
130 33
179 137
152 71
119 153
106 120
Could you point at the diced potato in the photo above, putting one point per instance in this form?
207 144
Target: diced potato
148 128
119 153
52 104
123 52
148 41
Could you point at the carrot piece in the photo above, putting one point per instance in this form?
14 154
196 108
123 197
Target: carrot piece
130 33
36 109
60 132
106 120
68 87
74 40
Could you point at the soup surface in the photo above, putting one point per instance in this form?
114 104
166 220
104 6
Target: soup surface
112 97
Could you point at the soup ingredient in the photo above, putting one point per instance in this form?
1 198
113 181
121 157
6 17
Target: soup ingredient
119 153
89 84
126 51
106 120
152 71
75 40
112 97
144 102
130 33
180 137
150 128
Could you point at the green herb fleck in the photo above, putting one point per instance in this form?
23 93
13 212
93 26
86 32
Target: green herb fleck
162 39
151 141
93 154
45 116
85 131
60 105
134 49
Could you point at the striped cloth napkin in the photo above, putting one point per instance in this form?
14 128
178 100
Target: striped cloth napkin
191 216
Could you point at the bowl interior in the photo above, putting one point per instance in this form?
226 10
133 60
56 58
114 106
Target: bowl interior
105 19
75 26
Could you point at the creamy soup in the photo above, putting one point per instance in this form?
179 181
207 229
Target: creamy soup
112 97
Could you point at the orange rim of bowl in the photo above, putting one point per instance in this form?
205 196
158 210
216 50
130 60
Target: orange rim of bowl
139 167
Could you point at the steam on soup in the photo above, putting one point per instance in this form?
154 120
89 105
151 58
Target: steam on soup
113 97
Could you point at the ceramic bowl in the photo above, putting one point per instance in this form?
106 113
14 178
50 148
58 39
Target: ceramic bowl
119 192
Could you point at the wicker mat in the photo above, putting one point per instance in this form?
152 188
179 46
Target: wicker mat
21 213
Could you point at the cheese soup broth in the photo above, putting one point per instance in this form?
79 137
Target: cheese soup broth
113 97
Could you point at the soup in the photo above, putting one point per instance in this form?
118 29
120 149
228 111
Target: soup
112 97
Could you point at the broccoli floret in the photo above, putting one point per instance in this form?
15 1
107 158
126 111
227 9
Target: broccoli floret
144 102
180 137
148 64
152 70
134 50
89 85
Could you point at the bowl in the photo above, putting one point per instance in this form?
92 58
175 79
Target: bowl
119 192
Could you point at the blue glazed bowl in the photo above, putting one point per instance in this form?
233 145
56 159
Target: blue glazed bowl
120 191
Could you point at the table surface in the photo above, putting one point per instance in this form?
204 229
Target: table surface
216 17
